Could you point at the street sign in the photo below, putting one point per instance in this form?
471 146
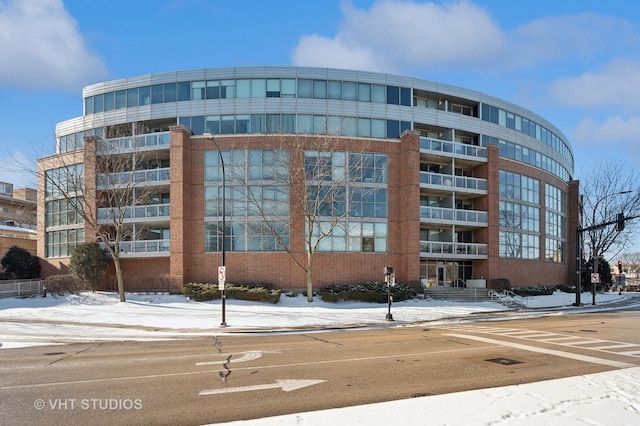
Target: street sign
221 276
595 278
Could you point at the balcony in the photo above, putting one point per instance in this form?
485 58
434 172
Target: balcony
448 216
146 142
153 211
449 250
145 248
137 178
453 183
453 149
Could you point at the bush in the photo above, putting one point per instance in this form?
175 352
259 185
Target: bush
534 291
19 263
500 284
372 292
62 284
89 262
202 292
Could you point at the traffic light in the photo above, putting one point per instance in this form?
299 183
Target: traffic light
620 222
619 266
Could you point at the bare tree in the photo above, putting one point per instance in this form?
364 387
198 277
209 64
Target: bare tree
608 191
316 181
102 185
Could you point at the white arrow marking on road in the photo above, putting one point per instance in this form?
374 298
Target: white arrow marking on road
247 356
286 385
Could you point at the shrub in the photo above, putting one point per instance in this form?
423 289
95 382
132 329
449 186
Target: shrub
20 264
62 284
534 291
202 292
500 284
373 292
89 262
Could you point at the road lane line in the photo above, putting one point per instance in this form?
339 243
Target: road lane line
577 357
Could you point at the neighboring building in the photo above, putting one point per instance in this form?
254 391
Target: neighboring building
17 218
461 185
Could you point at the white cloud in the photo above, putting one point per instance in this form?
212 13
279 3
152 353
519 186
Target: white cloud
395 34
564 38
41 47
618 129
618 83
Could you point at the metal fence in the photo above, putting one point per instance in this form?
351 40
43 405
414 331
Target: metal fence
21 288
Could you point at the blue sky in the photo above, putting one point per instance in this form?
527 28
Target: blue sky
574 62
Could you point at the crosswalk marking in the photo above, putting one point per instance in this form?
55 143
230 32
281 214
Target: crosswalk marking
601 345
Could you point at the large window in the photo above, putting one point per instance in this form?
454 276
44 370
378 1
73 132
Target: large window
519 216
556 224
348 193
256 201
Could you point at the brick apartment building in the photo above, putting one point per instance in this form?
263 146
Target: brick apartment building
451 185
17 218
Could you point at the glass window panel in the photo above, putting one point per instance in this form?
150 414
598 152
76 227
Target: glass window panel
334 125
288 123
273 123
157 94
393 129
349 126
319 124
320 89
227 89
227 125
258 88
335 89
213 89
197 90
364 127
170 92
132 97
364 92
88 105
197 125
109 101
349 91
242 124
378 93
243 88
121 99
405 96
145 95
378 128
257 123
212 124
273 88
288 88
393 95
305 124
305 88
184 91
98 103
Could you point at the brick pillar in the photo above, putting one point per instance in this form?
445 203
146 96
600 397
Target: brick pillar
180 191
404 207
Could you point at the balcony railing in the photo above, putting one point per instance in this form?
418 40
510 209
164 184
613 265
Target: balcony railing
152 211
453 148
441 249
144 246
113 180
133 143
455 182
446 215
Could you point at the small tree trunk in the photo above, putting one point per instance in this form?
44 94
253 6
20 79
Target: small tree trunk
116 262
309 277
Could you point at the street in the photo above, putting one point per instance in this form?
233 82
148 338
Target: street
244 376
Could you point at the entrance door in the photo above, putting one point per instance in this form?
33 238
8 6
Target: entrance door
441 274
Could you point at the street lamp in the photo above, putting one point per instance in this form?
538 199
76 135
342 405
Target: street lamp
222 271
580 249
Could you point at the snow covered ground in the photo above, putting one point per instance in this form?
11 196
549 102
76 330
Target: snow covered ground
611 398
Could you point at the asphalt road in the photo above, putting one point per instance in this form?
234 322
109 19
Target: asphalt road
244 376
